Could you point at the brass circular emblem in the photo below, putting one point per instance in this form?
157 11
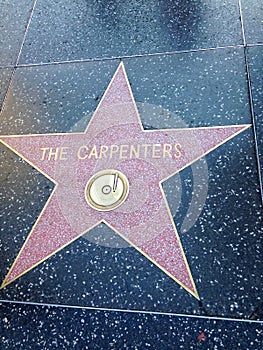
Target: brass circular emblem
107 190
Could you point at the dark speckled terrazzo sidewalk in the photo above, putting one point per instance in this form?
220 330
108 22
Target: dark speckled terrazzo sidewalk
190 64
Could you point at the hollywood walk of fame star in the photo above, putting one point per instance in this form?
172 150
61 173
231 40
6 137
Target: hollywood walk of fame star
112 173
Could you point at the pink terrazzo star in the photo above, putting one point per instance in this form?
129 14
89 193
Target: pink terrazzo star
113 139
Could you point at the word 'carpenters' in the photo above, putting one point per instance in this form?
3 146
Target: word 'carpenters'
123 151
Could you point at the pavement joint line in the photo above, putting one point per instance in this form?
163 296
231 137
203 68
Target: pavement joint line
99 59
145 312
242 22
17 58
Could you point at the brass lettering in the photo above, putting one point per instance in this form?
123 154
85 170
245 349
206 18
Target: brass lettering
178 150
63 153
113 149
156 150
93 152
135 152
44 151
147 150
82 152
146 147
53 153
103 151
167 150
123 151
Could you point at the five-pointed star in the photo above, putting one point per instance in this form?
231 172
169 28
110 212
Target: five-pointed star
113 139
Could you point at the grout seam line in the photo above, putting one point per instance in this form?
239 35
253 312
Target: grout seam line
144 312
251 103
18 57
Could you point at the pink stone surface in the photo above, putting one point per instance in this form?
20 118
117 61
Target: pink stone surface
143 219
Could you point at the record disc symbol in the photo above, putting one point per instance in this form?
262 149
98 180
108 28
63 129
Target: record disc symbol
107 190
